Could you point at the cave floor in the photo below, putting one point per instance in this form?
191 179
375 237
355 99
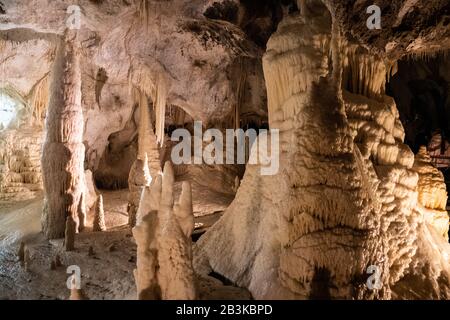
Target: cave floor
106 259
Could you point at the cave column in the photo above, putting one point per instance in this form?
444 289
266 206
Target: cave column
63 149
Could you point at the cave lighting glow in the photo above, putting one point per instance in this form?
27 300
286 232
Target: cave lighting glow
7 110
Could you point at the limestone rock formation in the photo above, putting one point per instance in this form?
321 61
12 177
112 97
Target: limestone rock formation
290 260
164 260
69 234
99 217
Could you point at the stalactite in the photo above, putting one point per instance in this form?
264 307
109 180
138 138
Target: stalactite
56 262
432 194
99 218
184 211
75 293
144 11
154 84
63 150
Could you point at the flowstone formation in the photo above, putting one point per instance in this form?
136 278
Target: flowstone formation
164 256
345 201
432 193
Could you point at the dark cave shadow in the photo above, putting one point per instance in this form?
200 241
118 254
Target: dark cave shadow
320 285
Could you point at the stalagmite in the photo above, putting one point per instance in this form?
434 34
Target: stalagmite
432 194
21 253
150 199
147 141
39 101
56 262
27 259
164 259
69 238
154 84
147 164
144 127
99 218
82 213
320 195
240 95
63 150
143 10
237 182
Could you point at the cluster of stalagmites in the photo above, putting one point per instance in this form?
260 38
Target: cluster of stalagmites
163 236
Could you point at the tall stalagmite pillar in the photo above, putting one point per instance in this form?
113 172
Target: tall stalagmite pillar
63 150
